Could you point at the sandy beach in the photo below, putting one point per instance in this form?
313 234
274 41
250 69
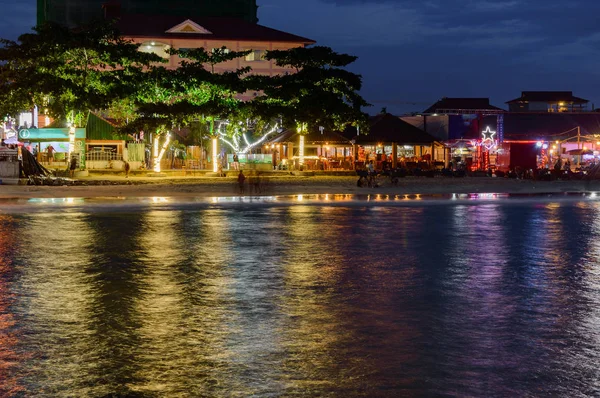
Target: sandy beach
208 187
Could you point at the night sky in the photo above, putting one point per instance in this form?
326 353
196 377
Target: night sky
411 53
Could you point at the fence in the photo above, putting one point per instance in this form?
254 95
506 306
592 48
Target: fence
103 156
9 156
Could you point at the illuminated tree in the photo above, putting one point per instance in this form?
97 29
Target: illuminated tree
319 94
190 94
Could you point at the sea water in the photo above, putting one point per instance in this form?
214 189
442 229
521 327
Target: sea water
300 296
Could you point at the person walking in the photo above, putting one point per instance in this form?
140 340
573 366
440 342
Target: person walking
127 168
236 162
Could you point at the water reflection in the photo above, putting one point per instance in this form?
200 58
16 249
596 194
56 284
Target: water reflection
245 300
9 336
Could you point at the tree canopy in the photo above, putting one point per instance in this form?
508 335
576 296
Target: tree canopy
69 72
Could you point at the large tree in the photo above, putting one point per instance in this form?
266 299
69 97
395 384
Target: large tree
320 93
68 72
192 93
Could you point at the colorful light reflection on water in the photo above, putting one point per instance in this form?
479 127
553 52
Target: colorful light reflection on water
301 299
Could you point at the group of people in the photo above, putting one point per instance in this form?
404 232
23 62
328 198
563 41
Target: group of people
255 182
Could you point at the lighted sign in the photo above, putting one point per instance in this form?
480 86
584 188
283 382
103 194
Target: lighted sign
488 141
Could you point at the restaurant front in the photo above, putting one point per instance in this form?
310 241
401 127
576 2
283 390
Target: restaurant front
61 142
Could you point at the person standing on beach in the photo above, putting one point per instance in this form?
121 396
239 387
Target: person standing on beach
50 150
72 166
241 179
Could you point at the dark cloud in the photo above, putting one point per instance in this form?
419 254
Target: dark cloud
419 51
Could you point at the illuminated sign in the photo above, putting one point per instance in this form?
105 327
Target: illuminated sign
488 141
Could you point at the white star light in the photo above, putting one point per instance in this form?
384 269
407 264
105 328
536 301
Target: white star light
488 138
488 134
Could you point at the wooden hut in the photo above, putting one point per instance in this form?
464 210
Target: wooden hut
393 140
327 150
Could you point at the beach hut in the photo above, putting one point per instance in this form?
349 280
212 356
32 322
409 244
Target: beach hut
392 140
323 150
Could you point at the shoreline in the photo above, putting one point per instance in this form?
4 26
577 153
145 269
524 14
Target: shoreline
282 186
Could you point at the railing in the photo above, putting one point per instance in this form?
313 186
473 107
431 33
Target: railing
103 156
9 156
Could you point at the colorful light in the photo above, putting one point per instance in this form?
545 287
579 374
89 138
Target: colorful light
488 141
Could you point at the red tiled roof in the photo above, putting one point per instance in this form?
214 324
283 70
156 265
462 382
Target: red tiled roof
548 96
462 104
155 26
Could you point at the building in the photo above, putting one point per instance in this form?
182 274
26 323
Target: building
159 33
547 101
78 12
453 118
537 140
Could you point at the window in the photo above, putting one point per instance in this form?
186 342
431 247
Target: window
223 50
256 55
160 49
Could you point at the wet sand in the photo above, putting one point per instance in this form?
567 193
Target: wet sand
293 185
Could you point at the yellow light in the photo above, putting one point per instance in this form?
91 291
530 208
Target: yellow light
215 151
71 139
155 154
301 151
162 153
557 142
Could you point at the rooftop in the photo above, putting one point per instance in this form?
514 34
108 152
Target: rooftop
455 104
548 96
214 28
386 128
